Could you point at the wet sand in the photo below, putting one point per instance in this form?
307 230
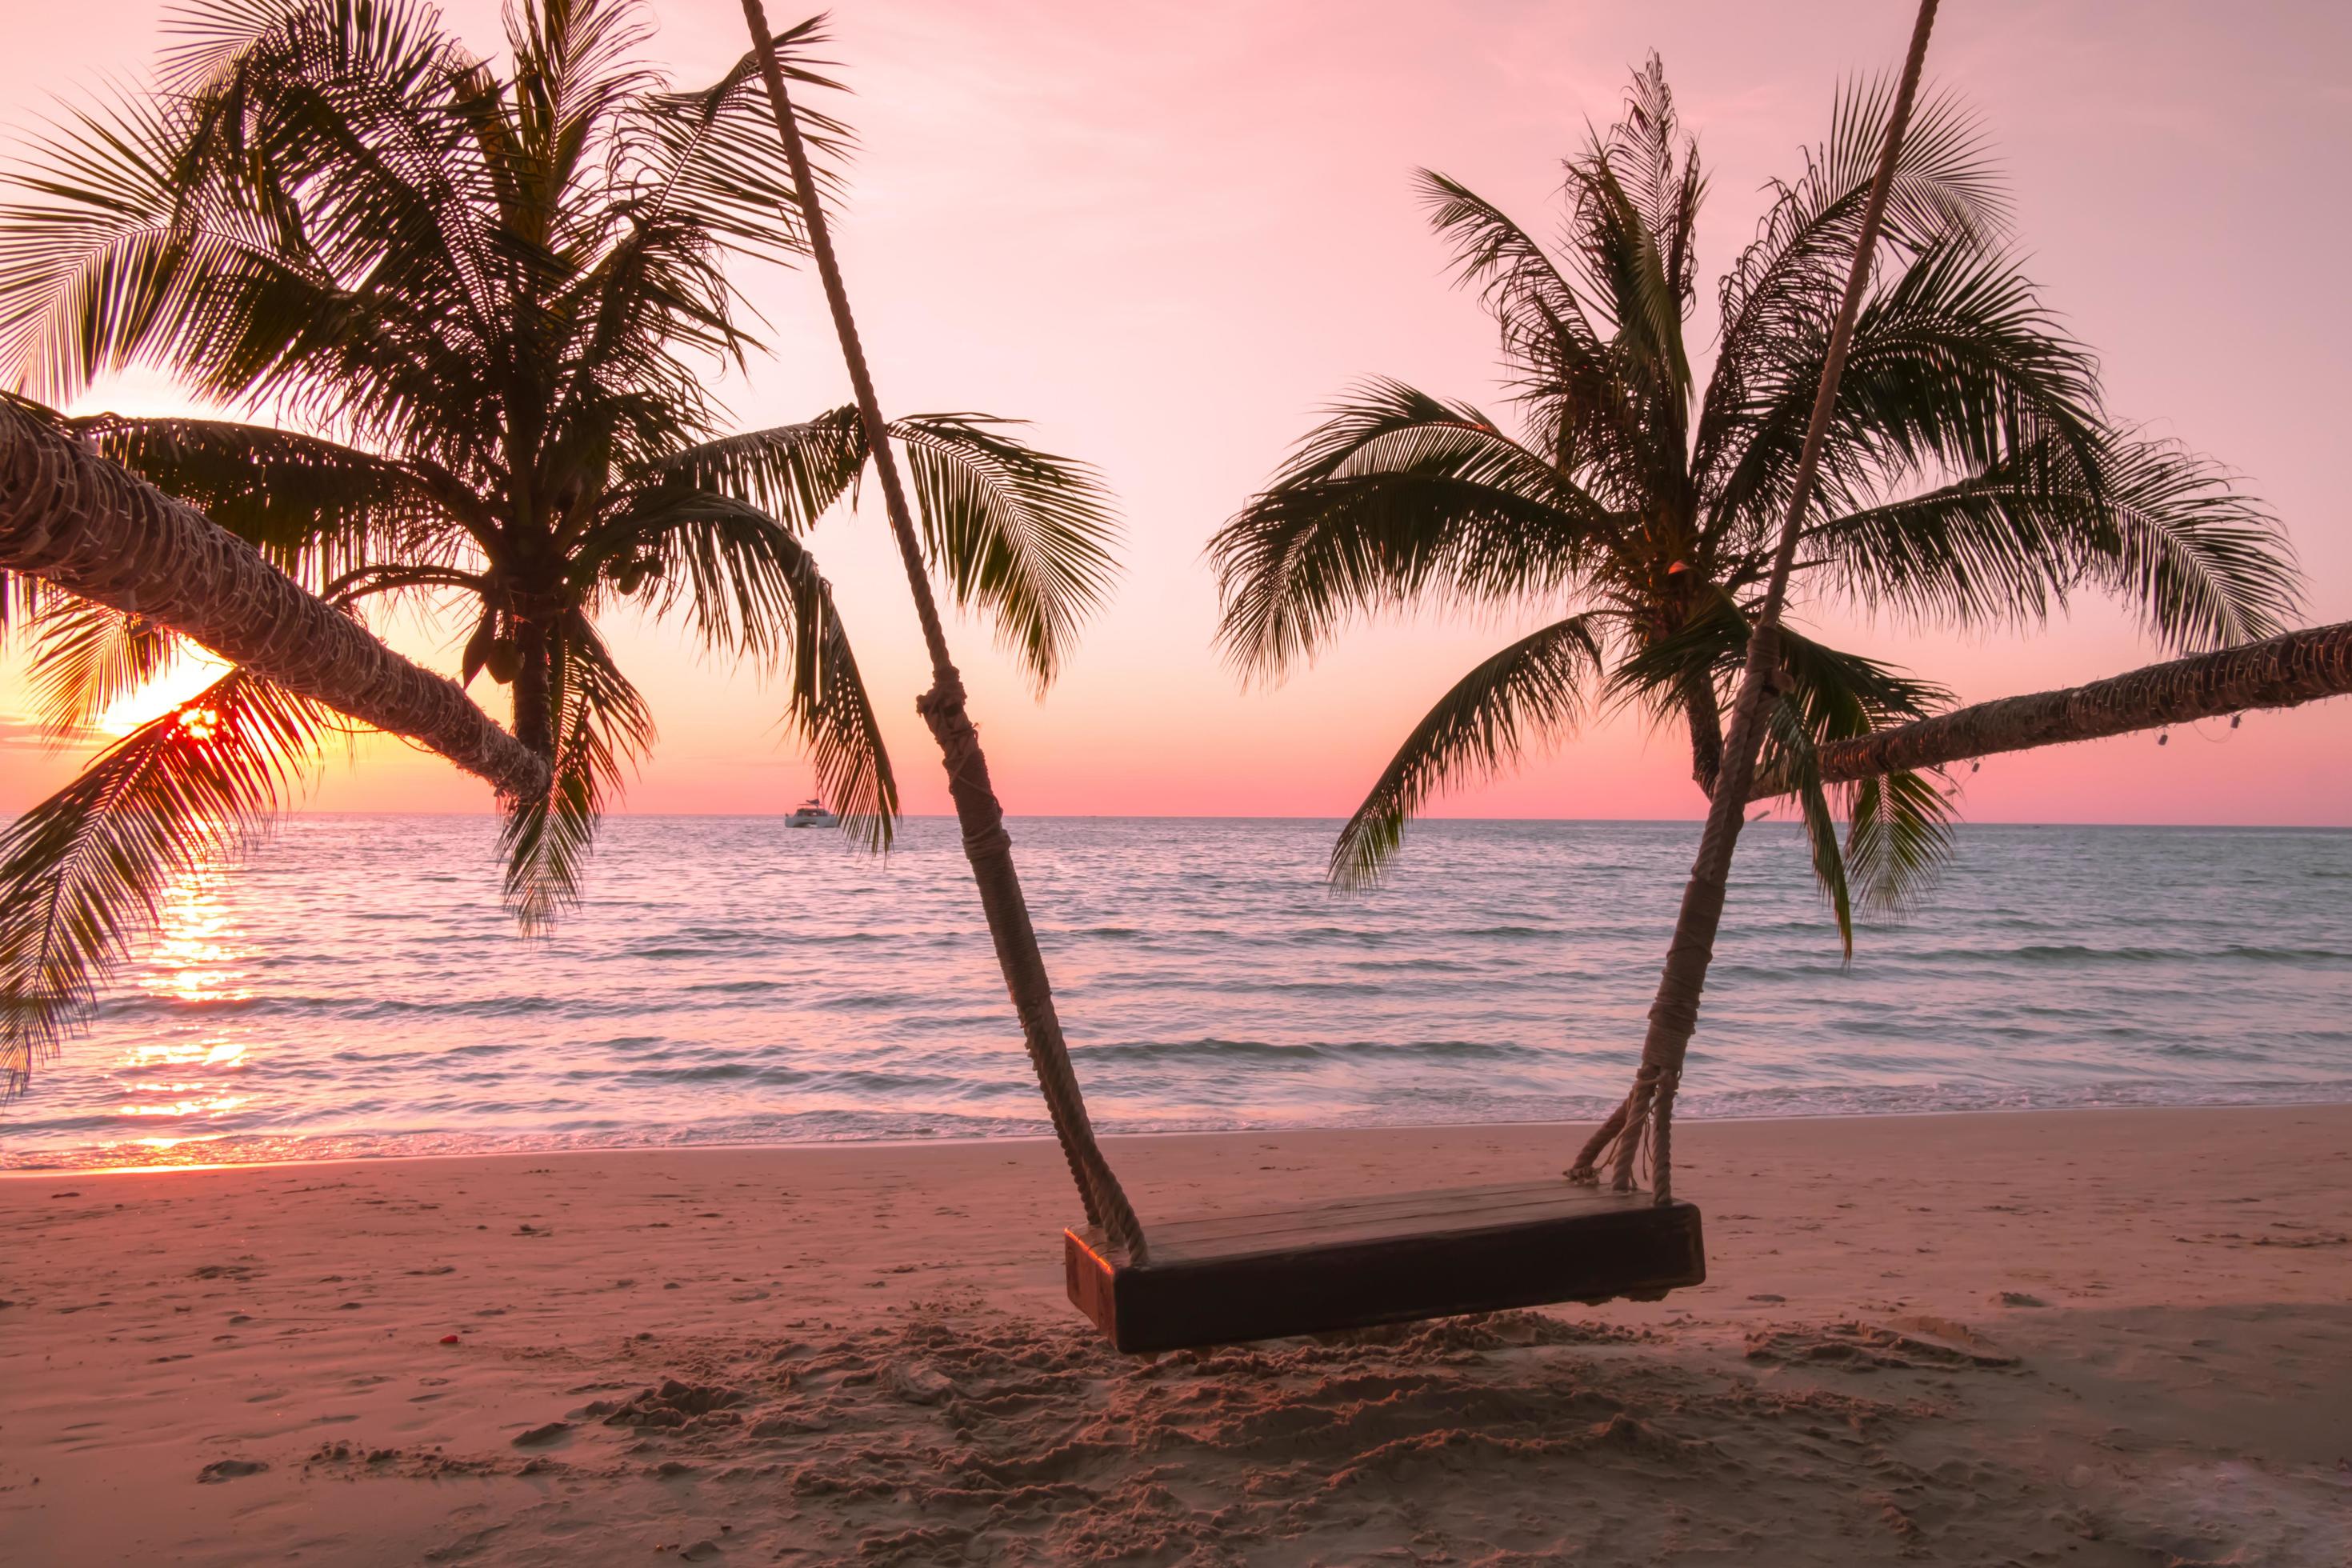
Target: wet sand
2086 1338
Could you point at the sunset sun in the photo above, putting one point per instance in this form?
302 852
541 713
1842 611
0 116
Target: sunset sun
178 681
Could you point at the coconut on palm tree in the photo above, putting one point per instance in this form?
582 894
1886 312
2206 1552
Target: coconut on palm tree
1971 477
481 304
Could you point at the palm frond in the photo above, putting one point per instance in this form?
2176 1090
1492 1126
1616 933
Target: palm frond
731 570
86 658
100 258
1657 168
795 473
2154 524
1899 840
1628 274
1633 196
1516 278
1789 753
603 729
83 873
1842 695
298 218
1397 496
748 584
1894 858
1563 371
830 707
713 159
1946 191
2000 547
1656 671
1536 688
21 599
2205 566
1022 535
317 509
1827 694
572 78
1955 366
364 92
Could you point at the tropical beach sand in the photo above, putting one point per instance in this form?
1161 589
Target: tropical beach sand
2103 1337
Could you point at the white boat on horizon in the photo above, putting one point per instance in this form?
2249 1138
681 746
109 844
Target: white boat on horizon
810 814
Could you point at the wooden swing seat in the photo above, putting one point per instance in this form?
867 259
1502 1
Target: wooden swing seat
1395 1257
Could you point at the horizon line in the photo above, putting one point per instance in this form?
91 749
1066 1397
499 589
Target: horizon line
1773 821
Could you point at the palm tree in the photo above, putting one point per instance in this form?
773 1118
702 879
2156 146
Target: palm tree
492 298
72 523
1969 474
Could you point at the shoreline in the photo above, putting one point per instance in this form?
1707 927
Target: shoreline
1567 1127
2065 1335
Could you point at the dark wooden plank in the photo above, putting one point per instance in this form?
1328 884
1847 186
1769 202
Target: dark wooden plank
1371 1201
1326 1216
1462 1210
1321 1267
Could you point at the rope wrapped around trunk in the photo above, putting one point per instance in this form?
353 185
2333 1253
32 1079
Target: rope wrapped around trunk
989 847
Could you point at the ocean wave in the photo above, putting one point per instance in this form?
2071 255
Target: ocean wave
715 990
2076 952
1208 1048
711 1072
1214 1049
1237 985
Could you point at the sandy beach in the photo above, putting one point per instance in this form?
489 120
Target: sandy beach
2096 1338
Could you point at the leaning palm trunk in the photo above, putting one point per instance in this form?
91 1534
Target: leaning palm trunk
85 525
2277 672
1648 1110
985 842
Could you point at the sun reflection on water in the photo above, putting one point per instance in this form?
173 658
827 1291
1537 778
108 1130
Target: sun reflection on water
196 959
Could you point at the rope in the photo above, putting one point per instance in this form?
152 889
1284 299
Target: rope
1582 1171
989 847
981 816
1661 1138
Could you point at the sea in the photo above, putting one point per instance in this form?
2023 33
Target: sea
353 989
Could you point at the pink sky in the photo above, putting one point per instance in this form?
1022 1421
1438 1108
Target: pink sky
1168 233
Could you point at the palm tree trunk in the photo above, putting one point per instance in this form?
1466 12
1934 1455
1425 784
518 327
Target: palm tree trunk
1673 1015
75 520
985 842
1705 720
534 711
2279 672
